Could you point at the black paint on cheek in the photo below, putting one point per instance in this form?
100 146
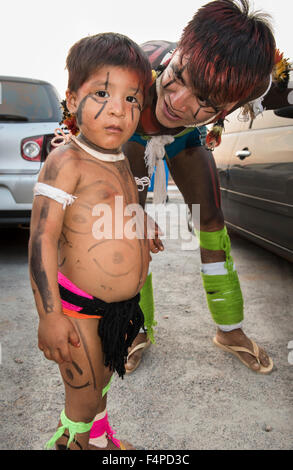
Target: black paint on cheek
80 110
101 109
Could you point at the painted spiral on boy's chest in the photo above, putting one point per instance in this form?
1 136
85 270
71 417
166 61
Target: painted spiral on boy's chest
80 218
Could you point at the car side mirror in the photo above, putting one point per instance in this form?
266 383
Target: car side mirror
286 112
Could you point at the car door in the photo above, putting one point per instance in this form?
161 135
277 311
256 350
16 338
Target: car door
260 180
224 159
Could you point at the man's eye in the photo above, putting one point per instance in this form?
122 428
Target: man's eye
102 94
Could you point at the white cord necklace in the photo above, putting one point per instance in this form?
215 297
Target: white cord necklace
106 157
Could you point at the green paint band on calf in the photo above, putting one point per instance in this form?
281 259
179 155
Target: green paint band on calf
224 298
216 241
147 306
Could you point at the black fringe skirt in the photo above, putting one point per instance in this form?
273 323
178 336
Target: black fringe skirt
119 325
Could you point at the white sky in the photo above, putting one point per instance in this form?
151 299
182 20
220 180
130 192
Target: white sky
35 35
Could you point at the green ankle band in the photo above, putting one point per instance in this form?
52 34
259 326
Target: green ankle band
224 298
148 307
215 241
73 428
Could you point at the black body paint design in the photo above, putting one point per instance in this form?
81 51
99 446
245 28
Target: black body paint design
38 272
80 110
70 375
199 108
101 109
111 274
87 355
107 81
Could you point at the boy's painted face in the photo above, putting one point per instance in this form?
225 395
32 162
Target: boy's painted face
177 104
107 106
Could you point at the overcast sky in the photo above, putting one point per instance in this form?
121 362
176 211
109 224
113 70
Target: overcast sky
35 35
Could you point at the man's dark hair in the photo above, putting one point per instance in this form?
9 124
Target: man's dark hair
93 52
230 51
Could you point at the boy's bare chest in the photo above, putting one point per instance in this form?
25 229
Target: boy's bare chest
101 182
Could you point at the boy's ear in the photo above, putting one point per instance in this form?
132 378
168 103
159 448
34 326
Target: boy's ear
71 101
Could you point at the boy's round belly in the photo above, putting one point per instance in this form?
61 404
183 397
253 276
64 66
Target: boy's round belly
112 270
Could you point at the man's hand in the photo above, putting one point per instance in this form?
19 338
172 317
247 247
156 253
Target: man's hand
55 333
153 233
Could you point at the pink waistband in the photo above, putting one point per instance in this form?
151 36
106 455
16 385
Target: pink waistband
67 284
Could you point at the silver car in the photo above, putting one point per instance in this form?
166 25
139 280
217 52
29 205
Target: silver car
29 114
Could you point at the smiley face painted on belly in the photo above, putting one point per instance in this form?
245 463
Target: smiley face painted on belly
115 258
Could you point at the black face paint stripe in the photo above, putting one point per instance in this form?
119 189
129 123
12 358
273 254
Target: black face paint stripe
80 109
199 108
101 110
107 81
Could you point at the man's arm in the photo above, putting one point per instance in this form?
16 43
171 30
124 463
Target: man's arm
135 154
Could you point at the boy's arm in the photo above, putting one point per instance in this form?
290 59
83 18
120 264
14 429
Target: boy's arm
55 330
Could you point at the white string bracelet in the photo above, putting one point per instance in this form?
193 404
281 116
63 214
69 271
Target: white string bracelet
42 189
142 182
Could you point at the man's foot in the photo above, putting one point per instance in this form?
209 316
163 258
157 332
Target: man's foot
135 352
233 342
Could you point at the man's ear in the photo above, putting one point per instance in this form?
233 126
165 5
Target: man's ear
71 101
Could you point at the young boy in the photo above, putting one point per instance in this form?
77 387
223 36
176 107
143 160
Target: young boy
84 276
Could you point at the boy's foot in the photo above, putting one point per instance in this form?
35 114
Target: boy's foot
236 342
139 344
124 445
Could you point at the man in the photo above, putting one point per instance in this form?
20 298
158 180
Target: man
224 60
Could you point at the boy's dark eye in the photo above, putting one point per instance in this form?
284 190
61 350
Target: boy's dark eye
102 94
131 99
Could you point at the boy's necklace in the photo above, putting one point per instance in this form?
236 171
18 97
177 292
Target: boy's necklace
106 157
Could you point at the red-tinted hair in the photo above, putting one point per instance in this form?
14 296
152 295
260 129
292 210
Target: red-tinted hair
93 52
231 51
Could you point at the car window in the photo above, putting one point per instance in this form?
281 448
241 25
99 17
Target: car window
32 102
268 119
234 123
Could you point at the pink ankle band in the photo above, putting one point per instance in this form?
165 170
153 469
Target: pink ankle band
102 426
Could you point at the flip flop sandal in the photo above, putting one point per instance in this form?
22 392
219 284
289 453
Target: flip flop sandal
236 349
142 346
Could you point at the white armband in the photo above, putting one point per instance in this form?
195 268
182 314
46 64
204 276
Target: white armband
42 189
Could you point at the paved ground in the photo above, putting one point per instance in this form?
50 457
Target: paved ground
187 394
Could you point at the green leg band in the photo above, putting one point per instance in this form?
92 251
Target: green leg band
106 389
148 307
223 291
73 428
218 240
224 298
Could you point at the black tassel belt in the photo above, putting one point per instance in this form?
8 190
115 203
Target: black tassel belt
119 325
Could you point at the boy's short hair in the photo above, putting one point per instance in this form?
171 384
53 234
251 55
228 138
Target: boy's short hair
93 52
230 51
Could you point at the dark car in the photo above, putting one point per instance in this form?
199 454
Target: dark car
255 165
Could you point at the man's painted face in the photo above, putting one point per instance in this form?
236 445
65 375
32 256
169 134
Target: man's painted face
107 106
177 104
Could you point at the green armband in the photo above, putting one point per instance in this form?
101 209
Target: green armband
148 306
